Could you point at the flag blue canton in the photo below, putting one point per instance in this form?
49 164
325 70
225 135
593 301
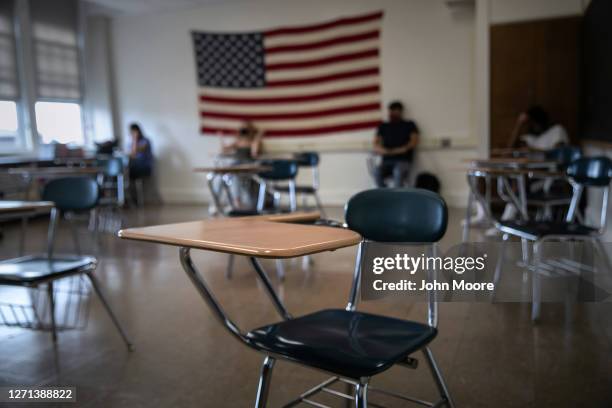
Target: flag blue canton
230 60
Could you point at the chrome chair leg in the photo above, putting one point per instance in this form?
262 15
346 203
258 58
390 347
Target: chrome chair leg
599 247
75 236
280 270
499 266
51 296
265 378
319 205
361 393
230 267
98 289
22 238
536 288
437 375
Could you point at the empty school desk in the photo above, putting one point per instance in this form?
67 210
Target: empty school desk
504 170
23 210
265 236
223 172
54 172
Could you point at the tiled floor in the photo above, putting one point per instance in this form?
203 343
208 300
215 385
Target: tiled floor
491 354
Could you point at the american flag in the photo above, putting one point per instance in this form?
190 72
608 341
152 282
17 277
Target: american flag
293 81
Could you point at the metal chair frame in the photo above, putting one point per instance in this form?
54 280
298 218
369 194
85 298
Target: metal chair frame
361 385
88 271
532 259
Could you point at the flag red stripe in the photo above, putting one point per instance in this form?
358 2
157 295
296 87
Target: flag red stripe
324 43
301 132
293 115
323 26
288 99
323 61
323 78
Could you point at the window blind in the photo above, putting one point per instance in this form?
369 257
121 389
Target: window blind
56 49
9 85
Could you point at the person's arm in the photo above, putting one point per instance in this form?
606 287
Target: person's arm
378 145
230 147
412 143
256 144
516 131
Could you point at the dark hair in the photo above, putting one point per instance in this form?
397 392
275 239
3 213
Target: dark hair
396 105
136 127
539 117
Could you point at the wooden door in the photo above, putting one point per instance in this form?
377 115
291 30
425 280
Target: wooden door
534 62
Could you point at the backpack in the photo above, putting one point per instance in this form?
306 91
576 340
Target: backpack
428 181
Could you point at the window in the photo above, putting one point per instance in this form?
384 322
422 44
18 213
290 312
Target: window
59 122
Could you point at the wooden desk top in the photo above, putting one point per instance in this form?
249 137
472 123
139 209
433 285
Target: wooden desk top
237 168
7 206
503 171
56 171
514 162
267 236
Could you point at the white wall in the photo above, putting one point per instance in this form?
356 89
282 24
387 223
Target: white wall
99 92
427 61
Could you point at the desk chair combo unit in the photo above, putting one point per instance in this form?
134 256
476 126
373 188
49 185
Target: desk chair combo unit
68 195
112 193
308 161
584 174
511 181
352 346
554 193
278 173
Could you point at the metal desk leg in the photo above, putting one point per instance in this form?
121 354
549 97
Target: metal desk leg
263 276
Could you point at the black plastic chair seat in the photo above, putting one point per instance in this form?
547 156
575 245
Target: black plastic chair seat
534 230
552 196
29 270
350 344
298 189
242 212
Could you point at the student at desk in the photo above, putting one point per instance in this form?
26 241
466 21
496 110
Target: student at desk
141 156
395 141
245 148
247 145
534 129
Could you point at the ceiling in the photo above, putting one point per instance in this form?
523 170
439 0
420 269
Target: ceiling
136 7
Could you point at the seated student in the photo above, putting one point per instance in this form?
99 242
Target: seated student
534 129
247 145
395 141
141 156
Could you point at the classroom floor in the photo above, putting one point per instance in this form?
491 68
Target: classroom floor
491 354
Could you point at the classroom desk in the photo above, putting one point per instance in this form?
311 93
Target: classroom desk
24 210
223 172
505 170
52 172
265 236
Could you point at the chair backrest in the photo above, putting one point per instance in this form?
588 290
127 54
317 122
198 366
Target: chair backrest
113 167
281 170
307 159
564 155
72 193
398 215
591 171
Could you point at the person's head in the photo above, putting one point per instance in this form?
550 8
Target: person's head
539 121
248 129
136 132
396 111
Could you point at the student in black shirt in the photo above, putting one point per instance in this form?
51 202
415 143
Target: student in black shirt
395 141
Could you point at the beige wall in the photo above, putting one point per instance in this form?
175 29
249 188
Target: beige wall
434 58
427 58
